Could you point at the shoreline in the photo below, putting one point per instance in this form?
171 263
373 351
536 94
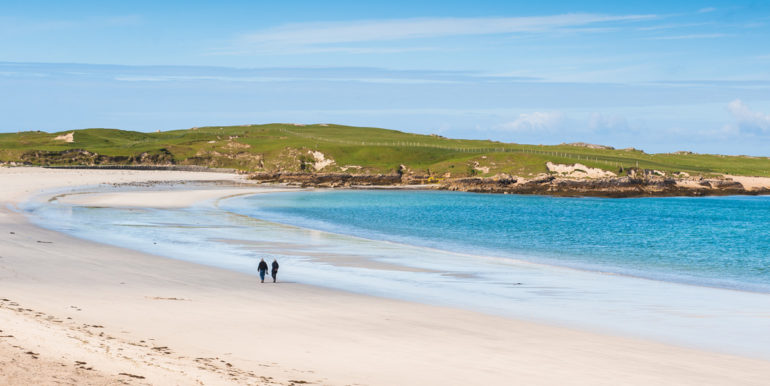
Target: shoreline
128 199
639 183
594 269
310 333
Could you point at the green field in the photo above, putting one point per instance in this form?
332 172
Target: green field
289 148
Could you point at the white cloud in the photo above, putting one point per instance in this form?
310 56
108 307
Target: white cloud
598 121
707 10
747 120
320 33
537 121
557 122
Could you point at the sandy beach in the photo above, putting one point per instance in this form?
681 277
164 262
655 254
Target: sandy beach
79 312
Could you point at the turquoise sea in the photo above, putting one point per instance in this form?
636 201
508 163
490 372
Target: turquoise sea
688 271
714 241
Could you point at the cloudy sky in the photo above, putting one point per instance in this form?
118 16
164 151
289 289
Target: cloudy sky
693 75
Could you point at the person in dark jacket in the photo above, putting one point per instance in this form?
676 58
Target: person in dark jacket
262 268
274 271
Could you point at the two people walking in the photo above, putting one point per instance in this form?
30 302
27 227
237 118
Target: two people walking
262 268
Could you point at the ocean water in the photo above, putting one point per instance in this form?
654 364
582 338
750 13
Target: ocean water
714 241
688 271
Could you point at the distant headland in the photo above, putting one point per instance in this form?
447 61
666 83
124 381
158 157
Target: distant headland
327 155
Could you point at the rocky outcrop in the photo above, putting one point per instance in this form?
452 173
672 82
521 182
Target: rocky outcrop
68 138
87 158
214 159
543 184
320 160
603 187
589 145
577 170
181 168
329 180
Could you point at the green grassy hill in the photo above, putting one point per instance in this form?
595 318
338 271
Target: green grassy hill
295 148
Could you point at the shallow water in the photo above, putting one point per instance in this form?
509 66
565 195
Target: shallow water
715 241
503 255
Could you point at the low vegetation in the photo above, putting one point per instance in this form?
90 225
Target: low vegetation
336 148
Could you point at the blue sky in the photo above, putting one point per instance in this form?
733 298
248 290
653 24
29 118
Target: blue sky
692 75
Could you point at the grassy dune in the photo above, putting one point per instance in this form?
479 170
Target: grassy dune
287 147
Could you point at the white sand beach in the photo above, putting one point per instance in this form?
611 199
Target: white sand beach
78 312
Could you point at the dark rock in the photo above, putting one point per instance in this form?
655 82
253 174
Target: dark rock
328 179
